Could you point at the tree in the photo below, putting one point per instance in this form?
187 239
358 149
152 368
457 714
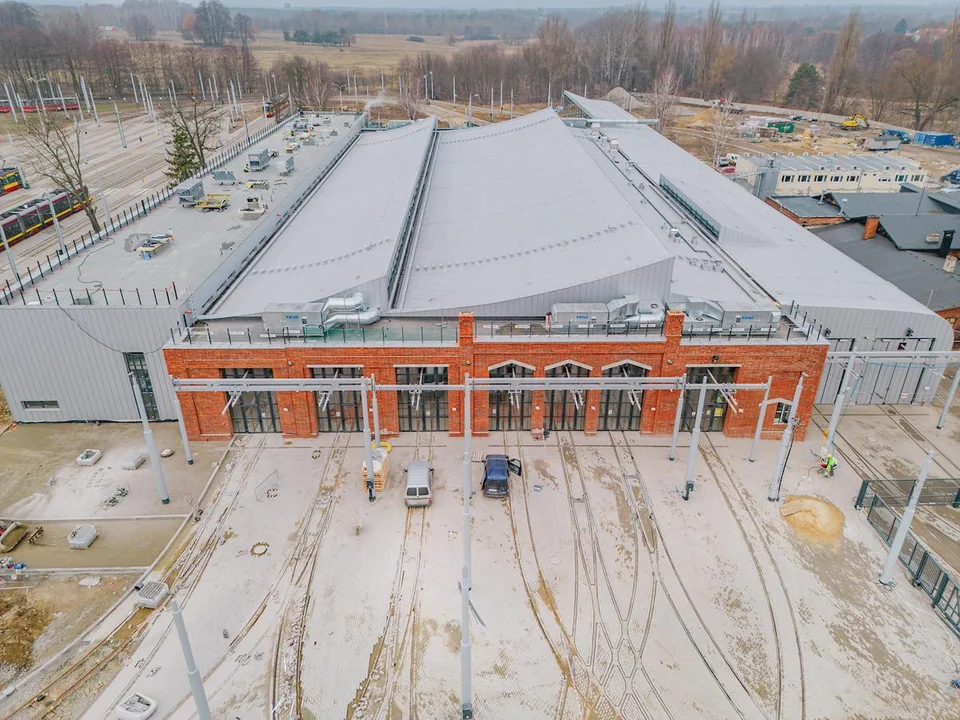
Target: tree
841 73
708 50
141 27
56 146
199 124
901 27
663 97
182 161
212 22
805 87
666 37
933 83
555 50
18 15
243 27
723 124
412 95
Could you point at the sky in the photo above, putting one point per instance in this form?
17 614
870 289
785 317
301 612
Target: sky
548 4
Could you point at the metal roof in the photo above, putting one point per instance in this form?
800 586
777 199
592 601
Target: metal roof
909 232
919 275
805 206
875 204
517 210
599 109
345 235
843 163
790 262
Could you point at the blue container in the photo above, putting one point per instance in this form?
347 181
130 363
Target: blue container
933 139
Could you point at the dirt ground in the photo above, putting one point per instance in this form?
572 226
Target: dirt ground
367 55
37 622
5 418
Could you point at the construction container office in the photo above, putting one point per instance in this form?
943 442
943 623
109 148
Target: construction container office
534 248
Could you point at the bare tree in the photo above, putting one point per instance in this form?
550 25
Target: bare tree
841 73
723 125
709 45
412 95
59 158
666 37
663 97
200 123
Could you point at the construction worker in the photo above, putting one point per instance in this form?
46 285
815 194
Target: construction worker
829 465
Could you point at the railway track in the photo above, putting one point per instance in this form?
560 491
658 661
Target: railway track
787 698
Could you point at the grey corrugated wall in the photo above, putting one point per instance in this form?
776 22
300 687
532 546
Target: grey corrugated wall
74 356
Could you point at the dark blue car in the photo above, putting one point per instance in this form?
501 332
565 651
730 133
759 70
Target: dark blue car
496 474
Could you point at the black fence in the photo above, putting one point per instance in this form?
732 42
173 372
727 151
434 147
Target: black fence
925 572
770 332
29 275
896 493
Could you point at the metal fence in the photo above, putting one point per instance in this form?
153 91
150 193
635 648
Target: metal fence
740 333
506 329
894 492
925 572
30 275
404 335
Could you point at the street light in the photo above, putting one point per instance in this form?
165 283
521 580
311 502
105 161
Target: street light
340 90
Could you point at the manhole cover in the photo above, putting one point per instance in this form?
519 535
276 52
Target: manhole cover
260 549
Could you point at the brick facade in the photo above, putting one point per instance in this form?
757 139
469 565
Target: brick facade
666 356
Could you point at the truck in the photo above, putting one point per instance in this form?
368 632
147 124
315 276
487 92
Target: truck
903 135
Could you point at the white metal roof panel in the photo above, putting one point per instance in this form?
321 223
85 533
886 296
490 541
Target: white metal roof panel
518 209
790 262
599 109
345 235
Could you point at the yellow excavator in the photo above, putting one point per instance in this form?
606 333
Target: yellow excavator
855 122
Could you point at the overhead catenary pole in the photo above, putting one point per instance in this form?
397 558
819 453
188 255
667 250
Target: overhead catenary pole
203 92
56 226
466 691
367 443
886 577
151 445
123 140
193 672
763 411
382 87
949 401
677 419
835 416
93 104
133 84
501 97
13 109
511 103
6 249
777 480
694 442
454 90
184 438
376 410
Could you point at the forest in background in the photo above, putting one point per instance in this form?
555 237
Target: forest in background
898 65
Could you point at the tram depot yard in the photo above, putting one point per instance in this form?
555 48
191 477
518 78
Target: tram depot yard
597 591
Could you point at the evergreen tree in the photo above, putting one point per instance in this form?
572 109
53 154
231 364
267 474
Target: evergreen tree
805 87
901 27
181 157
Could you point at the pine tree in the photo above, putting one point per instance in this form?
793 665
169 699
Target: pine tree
181 157
805 88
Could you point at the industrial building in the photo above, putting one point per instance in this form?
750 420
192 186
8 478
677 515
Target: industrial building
814 174
540 247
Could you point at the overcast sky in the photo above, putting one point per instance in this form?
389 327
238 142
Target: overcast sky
548 4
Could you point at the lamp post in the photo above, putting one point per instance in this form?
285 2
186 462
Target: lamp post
340 90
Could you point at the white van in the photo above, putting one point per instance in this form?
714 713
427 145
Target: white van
419 485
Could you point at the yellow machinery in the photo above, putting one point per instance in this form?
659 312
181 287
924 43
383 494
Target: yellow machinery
855 122
214 201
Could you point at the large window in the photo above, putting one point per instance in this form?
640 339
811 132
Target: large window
565 408
510 409
339 410
424 409
715 404
137 364
621 409
252 412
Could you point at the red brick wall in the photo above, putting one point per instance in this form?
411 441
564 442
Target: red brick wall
805 221
666 357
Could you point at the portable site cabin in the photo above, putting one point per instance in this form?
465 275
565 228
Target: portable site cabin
259 160
189 192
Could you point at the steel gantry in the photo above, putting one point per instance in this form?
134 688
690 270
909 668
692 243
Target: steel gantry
633 385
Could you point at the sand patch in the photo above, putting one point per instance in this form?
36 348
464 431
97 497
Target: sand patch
814 518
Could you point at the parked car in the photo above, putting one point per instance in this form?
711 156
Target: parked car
496 474
419 485
952 177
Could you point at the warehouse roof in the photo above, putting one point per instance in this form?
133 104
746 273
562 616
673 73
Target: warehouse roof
804 206
911 232
518 210
791 263
919 275
875 204
844 163
343 237
599 109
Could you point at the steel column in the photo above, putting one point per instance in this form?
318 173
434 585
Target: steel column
694 442
762 414
949 401
193 672
777 479
368 449
677 420
151 445
466 691
894 554
184 439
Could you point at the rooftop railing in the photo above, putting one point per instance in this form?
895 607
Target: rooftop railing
383 335
519 329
